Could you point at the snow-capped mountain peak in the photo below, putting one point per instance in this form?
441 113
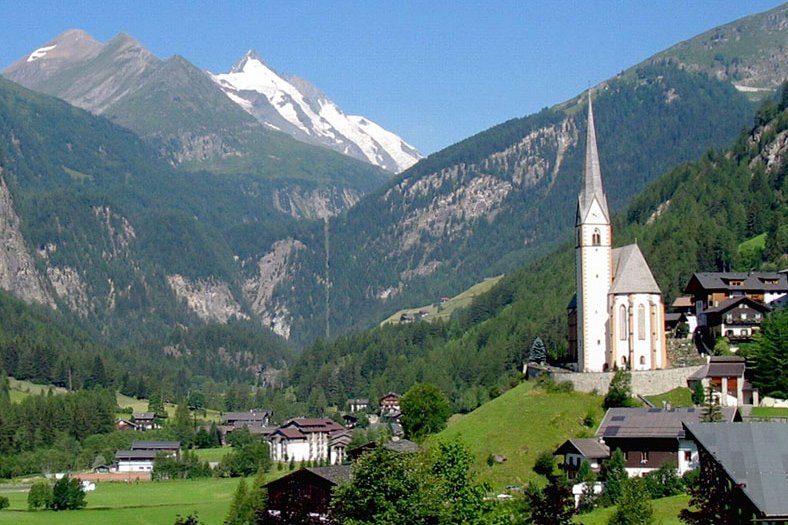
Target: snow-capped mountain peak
295 106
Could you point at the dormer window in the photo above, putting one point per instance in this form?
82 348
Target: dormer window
596 237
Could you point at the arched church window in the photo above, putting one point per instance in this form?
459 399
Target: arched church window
623 361
596 237
642 322
642 360
622 323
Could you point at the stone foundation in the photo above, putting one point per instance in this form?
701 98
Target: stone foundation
644 382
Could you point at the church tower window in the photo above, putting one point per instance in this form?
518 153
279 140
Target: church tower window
622 323
596 237
642 322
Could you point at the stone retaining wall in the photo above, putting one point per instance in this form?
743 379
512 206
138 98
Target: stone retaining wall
644 382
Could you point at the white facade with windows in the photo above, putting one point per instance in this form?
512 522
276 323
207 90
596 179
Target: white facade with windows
620 309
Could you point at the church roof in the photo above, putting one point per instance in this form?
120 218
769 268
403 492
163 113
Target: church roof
592 174
631 272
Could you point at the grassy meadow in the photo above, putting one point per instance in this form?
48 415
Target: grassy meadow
666 511
444 311
149 503
678 397
519 425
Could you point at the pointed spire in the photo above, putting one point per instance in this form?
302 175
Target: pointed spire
592 174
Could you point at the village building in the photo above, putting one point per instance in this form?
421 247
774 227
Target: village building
683 308
389 405
145 421
617 317
126 424
402 446
304 494
649 438
302 439
753 458
254 417
168 448
134 460
725 376
733 304
357 405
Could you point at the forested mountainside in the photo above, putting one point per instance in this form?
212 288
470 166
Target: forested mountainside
496 200
693 218
190 121
41 345
96 225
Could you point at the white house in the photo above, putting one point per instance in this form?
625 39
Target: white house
135 460
303 439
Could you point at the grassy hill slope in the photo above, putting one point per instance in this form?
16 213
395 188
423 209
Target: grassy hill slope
520 424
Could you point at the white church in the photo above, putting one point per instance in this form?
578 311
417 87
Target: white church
617 317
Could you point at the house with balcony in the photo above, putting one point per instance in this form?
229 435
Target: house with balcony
305 439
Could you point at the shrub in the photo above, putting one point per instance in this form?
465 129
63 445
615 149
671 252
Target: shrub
67 494
40 495
4 502
544 464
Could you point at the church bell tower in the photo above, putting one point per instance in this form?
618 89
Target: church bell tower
593 251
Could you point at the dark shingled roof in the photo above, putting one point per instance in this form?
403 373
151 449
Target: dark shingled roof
750 282
155 445
631 272
720 366
135 454
754 455
589 448
652 422
727 304
336 474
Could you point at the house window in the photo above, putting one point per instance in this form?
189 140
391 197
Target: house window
687 456
622 323
644 457
641 322
596 237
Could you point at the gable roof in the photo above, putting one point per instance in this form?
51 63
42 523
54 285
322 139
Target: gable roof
631 273
332 475
750 281
308 425
652 422
589 448
755 457
732 302
135 454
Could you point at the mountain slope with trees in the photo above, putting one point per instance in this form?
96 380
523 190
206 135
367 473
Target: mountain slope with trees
691 219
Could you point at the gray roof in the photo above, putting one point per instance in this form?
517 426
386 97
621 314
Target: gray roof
652 422
135 454
631 272
754 455
750 281
335 474
720 366
592 173
155 445
402 445
589 448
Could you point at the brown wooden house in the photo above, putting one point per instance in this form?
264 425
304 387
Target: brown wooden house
304 497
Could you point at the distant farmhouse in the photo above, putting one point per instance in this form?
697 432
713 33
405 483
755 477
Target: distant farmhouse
142 455
256 421
617 317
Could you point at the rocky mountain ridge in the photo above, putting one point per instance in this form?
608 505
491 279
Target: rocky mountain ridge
295 106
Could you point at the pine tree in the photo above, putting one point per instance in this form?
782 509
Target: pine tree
553 505
538 351
698 394
634 505
240 512
614 474
712 412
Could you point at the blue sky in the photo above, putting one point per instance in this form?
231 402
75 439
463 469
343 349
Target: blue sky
434 72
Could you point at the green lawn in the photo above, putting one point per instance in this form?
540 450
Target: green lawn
151 503
678 397
519 425
767 412
666 511
212 454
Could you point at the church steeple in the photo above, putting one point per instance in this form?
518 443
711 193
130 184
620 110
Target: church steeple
592 174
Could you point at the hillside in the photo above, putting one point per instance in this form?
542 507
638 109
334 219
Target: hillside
189 120
499 199
750 52
691 219
519 425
